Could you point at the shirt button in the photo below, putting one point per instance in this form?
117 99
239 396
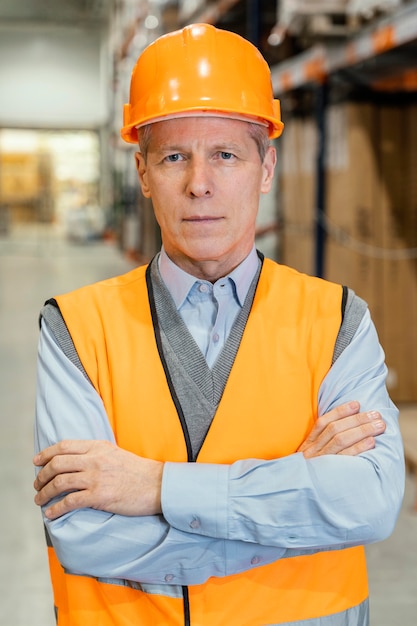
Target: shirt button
195 523
203 288
255 560
216 337
169 578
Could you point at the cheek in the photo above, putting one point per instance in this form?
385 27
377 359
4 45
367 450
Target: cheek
164 214
159 187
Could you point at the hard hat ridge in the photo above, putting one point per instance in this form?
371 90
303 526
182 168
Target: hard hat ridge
200 70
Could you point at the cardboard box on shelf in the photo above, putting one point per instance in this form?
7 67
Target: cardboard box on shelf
371 220
398 285
411 241
350 199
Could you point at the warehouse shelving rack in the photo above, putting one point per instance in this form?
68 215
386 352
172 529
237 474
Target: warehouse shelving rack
381 57
320 61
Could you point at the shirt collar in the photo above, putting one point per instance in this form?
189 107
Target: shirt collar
179 282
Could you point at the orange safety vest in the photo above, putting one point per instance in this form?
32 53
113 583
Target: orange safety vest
285 352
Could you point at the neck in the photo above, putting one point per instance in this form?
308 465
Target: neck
210 270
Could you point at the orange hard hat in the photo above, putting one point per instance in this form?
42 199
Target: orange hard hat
201 70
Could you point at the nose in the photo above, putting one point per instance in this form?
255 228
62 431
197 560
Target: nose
199 184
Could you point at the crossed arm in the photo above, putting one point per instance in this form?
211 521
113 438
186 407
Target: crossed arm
100 475
88 486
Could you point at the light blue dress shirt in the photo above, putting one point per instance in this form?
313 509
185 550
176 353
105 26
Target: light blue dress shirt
224 519
207 309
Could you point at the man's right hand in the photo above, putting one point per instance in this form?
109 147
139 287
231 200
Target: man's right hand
343 430
97 475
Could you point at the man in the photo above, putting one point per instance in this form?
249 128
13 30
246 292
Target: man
215 442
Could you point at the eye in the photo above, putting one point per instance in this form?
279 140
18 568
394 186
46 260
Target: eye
173 158
226 156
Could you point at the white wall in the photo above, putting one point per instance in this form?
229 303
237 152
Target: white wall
53 78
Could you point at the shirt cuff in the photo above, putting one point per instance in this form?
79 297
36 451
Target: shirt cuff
194 498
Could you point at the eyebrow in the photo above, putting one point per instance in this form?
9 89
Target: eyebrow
228 147
169 148
218 147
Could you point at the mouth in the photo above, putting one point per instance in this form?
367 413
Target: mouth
202 219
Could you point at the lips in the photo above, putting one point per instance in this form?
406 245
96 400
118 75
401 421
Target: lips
202 218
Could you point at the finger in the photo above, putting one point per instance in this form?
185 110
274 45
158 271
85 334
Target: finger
60 485
67 446
353 437
358 448
70 502
351 434
336 414
344 432
343 410
61 464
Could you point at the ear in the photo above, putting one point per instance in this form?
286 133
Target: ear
268 169
142 174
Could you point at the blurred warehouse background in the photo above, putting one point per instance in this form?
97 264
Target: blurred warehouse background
344 204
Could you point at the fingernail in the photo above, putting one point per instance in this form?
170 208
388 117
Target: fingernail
378 425
373 415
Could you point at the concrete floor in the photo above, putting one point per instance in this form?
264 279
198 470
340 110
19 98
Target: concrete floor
35 264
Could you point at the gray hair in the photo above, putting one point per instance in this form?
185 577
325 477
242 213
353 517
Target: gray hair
258 133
